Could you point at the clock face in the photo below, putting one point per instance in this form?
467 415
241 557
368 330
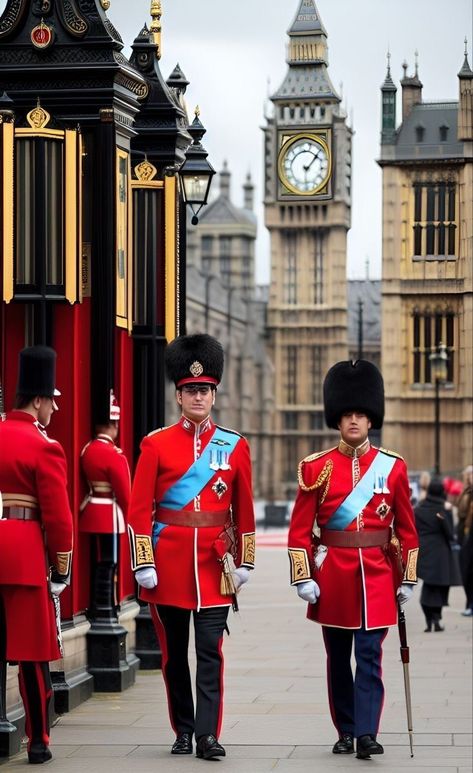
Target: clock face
304 164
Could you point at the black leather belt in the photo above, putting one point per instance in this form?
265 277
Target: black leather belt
20 514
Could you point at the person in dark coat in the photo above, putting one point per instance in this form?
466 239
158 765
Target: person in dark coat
435 566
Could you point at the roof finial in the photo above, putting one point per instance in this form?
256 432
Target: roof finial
416 56
197 111
388 57
155 26
466 46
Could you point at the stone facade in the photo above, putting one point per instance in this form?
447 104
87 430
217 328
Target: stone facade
427 164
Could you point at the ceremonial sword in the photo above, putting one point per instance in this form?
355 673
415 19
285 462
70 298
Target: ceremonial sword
404 649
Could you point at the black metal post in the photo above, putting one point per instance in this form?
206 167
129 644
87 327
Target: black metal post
437 427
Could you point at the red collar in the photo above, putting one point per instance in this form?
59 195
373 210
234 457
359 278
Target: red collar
18 415
196 429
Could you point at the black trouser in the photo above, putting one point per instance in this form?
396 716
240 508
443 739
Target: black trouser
104 558
172 628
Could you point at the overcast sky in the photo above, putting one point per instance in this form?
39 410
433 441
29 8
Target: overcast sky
229 48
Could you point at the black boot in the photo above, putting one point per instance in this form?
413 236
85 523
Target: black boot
428 618
366 745
182 744
208 747
39 753
344 745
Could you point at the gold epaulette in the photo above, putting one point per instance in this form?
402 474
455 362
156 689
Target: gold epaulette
390 453
323 475
154 431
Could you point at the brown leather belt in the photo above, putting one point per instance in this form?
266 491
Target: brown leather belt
20 514
192 518
354 539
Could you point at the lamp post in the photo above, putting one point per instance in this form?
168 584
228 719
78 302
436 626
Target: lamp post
196 173
438 361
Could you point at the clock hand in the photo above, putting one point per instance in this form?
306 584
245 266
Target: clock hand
316 155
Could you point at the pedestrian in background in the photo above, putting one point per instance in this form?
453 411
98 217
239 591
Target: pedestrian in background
35 542
358 495
435 565
465 537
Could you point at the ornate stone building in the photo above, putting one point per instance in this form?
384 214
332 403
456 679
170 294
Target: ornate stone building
307 197
427 164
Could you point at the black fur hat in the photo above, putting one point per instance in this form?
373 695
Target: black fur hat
354 386
37 372
194 359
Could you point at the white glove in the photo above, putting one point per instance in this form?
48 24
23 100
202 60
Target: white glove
404 593
57 588
240 576
308 591
147 577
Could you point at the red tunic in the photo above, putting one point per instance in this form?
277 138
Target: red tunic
349 576
33 471
189 573
104 510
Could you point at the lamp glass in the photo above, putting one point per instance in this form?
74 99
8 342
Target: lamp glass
439 361
195 187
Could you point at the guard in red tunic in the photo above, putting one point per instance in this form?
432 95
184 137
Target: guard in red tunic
352 521
104 510
191 507
35 541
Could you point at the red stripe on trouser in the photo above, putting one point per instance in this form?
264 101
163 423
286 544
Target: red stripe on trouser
329 685
220 708
36 691
161 634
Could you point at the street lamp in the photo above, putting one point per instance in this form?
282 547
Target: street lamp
438 363
196 173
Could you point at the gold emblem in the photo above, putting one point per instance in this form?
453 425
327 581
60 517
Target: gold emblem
144 550
38 118
249 546
383 509
63 562
145 171
196 369
300 569
411 566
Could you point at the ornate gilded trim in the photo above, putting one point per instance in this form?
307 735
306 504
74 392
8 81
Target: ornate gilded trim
141 549
7 134
75 24
124 243
323 479
390 453
38 118
300 568
12 16
72 158
170 257
63 562
145 171
141 90
410 574
249 547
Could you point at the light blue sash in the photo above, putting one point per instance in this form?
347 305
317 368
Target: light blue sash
359 497
200 473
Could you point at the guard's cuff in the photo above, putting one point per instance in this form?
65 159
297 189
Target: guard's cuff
63 564
300 567
141 550
410 572
248 544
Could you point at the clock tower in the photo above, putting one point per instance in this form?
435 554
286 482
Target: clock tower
307 198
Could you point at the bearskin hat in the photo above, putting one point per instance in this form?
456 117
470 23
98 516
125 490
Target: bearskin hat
354 386
37 372
194 359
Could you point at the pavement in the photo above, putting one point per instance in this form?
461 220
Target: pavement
276 710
